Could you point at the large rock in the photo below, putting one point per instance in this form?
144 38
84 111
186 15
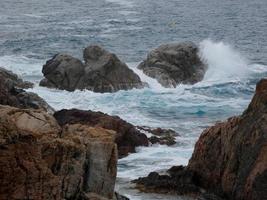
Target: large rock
230 157
101 72
127 136
41 160
173 64
12 94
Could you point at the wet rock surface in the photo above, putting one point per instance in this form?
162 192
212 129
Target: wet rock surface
127 136
101 71
173 64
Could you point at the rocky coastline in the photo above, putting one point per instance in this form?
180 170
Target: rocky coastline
73 154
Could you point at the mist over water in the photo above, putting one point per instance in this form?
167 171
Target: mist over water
130 28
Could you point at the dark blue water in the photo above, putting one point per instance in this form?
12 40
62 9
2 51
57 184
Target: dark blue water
232 36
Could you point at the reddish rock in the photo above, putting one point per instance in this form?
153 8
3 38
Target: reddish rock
127 136
41 160
230 158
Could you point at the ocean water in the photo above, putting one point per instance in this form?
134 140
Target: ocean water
231 36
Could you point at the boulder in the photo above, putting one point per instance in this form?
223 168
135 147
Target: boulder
41 160
174 64
101 72
127 136
12 94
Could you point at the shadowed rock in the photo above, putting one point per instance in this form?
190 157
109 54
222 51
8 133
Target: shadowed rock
173 64
127 136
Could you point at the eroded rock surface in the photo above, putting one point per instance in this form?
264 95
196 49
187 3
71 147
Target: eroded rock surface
127 136
173 64
41 160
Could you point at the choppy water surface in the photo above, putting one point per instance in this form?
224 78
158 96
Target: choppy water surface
231 36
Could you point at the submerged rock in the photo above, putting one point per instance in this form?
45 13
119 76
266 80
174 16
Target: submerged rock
173 64
41 160
127 136
101 72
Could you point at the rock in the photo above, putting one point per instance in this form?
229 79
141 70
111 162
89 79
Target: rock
101 72
120 197
11 94
160 136
12 80
174 64
62 72
127 136
230 157
177 181
41 160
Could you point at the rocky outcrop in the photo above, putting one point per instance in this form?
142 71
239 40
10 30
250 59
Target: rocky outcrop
229 159
12 94
173 64
41 160
101 72
12 80
127 136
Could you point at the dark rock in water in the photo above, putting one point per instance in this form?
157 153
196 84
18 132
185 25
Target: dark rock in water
127 136
173 64
62 72
177 181
120 197
161 136
230 157
41 160
101 72
11 93
12 80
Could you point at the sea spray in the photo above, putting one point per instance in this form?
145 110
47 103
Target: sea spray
224 62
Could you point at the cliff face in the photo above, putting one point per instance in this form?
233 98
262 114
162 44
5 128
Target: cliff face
41 160
230 158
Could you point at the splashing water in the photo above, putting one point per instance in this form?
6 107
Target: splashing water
224 62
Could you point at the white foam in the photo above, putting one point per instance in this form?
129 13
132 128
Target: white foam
125 3
224 62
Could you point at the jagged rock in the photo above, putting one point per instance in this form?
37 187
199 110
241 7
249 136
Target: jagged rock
101 72
127 136
173 64
12 80
160 136
41 160
11 94
230 158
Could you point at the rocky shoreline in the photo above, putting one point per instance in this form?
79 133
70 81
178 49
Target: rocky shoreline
73 154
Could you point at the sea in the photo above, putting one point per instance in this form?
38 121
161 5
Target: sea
232 40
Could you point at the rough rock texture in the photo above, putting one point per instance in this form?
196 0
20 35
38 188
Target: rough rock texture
41 160
11 94
173 64
12 80
101 72
127 136
230 158
159 135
